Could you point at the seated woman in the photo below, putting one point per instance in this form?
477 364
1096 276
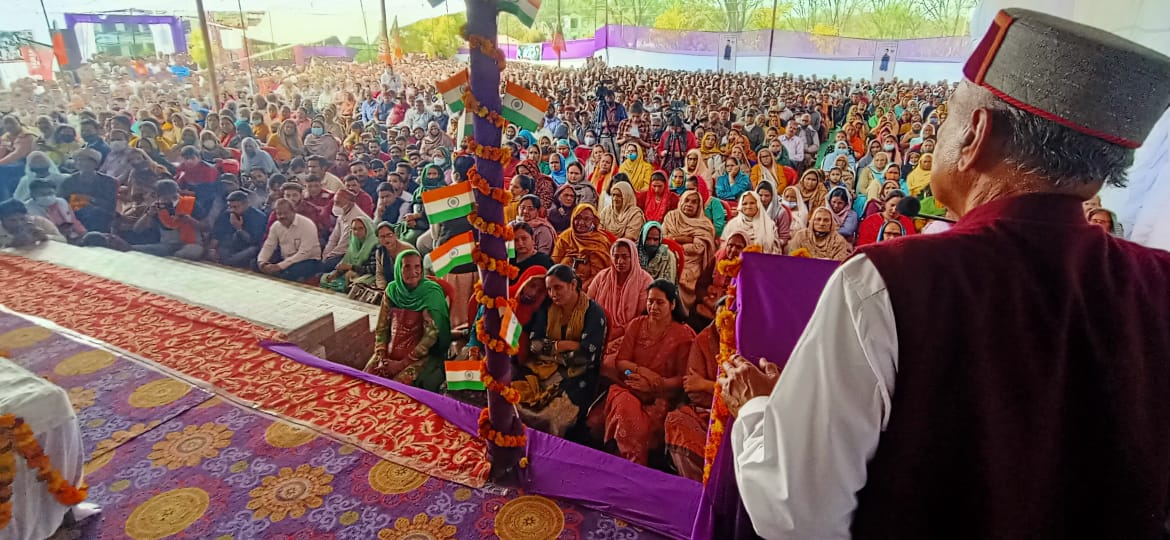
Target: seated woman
792 200
583 247
527 255
390 244
875 205
843 215
521 186
891 230
1103 218
918 180
543 186
812 189
657 201
647 374
653 254
210 149
560 213
621 291
414 328
693 231
820 238
714 285
686 426
755 226
713 208
558 381
775 209
622 217
38 166
359 264
531 212
768 169
871 177
872 226
734 182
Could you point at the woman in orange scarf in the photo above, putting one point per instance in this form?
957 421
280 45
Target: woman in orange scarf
583 247
287 142
712 158
768 169
603 173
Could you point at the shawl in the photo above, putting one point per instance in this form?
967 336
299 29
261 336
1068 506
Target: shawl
546 188
428 295
260 159
561 176
882 231
559 215
524 312
658 265
918 179
601 178
800 213
709 150
700 169
623 302
638 170
817 196
359 249
774 208
570 242
832 247
758 229
570 325
839 217
654 209
23 193
772 175
679 225
294 144
571 158
726 188
626 221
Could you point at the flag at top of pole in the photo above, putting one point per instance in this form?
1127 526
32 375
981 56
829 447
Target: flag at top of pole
525 10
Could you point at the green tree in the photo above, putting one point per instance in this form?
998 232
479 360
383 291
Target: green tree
196 48
435 37
690 15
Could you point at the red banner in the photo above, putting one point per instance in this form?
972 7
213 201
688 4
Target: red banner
39 61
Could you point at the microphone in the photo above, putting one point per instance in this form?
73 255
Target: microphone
911 207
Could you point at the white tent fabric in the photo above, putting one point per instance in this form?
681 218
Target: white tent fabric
164 39
1143 207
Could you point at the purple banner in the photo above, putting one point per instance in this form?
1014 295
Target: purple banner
558 468
755 43
177 33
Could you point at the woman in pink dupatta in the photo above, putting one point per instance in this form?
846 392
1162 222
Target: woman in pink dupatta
621 291
647 374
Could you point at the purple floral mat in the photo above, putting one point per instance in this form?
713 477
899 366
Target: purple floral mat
167 459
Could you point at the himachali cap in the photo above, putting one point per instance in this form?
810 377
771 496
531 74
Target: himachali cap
1078 76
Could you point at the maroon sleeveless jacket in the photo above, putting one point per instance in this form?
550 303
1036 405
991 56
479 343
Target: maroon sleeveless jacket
1032 397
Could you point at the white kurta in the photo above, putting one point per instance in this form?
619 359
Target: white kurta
46 408
801 453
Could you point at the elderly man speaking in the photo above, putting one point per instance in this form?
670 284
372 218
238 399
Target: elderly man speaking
1009 378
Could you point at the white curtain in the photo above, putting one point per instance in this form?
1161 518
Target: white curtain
164 39
86 41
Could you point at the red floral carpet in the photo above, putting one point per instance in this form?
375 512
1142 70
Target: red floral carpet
223 351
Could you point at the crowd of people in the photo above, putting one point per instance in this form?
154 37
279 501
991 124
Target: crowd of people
635 185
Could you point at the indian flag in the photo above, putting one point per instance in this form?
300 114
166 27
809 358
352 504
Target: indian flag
463 375
511 245
456 252
525 10
466 126
448 202
510 327
452 90
521 107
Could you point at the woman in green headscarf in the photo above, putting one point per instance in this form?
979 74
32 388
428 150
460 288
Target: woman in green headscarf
358 265
414 328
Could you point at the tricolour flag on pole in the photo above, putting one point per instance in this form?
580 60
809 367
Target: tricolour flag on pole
525 10
455 252
466 126
452 90
463 375
511 245
510 327
448 202
522 107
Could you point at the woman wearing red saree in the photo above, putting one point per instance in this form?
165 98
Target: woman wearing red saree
647 374
657 201
686 426
621 291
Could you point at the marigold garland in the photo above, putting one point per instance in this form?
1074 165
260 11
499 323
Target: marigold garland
492 303
499 266
725 325
503 232
485 46
473 105
17 436
511 395
492 342
504 441
481 184
494 153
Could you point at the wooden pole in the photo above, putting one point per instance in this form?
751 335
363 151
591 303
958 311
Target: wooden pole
247 48
210 56
484 78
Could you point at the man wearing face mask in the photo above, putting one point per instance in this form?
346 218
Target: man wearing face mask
91 134
345 210
45 203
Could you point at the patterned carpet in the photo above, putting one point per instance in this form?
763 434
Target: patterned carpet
168 459
223 351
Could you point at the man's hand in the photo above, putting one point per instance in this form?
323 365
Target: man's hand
269 268
237 221
742 381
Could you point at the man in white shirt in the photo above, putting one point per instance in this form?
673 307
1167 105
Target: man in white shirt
346 212
1015 390
317 166
296 236
794 144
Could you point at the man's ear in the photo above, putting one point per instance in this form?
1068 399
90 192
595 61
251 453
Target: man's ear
976 143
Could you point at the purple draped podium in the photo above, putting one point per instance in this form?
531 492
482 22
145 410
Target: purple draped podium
775 298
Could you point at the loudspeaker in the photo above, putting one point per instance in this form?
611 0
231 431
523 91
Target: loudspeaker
66 50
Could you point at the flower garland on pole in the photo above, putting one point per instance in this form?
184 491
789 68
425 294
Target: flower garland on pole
725 325
16 436
499 423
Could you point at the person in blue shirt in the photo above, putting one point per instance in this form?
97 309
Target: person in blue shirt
238 233
369 109
734 182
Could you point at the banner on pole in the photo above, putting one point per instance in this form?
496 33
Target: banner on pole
884 58
728 50
529 51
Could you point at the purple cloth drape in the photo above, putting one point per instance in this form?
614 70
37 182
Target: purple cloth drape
775 297
558 468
